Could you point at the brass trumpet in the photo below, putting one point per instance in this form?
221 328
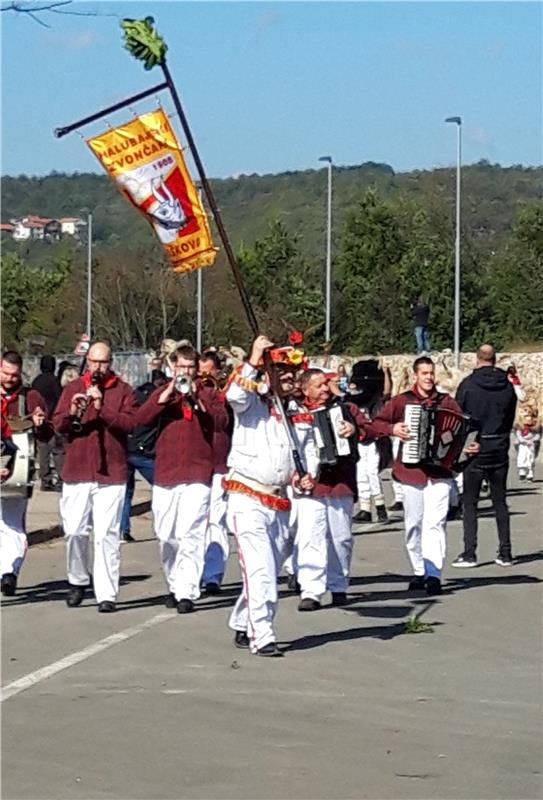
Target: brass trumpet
216 382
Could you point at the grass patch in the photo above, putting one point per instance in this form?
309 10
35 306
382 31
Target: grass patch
414 625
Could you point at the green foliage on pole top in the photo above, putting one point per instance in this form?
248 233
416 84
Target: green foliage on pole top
143 42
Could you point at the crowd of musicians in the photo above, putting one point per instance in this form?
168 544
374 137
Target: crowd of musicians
277 457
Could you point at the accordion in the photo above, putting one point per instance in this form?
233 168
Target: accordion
331 445
438 437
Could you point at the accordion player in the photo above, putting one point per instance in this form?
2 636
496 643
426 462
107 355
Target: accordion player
439 436
330 444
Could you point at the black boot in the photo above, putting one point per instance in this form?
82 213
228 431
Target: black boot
8 586
382 515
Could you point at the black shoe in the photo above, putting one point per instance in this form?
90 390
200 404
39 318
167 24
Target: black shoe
362 516
382 515
47 487
308 604
270 650
107 607
212 588
75 596
241 640
8 585
433 586
170 601
185 606
522 477
397 506
127 537
417 584
293 584
339 598
463 561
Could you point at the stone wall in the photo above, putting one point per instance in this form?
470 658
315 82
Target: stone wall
529 368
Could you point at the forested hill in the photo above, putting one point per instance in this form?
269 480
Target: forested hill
491 197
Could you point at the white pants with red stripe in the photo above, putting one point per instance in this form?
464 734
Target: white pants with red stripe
397 487
216 541
262 535
87 507
324 544
425 519
180 516
14 544
367 476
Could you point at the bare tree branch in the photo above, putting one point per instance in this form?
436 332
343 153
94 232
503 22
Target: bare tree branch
54 7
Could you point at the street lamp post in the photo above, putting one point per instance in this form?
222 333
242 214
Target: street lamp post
89 276
458 122
327 333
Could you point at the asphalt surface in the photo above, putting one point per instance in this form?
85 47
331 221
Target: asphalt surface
146 703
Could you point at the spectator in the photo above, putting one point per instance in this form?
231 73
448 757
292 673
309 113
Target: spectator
489 398
420 314
513 378
48 385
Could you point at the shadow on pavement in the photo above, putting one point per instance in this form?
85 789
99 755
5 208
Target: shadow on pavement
57 590
383 632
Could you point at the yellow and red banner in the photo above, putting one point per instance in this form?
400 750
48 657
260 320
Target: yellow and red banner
146 162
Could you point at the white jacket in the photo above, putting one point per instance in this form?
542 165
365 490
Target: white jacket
260 448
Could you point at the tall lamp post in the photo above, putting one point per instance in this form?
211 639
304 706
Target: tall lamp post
89 276
458 122
327 334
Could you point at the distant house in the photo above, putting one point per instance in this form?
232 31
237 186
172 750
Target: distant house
70 226
33 227
7 228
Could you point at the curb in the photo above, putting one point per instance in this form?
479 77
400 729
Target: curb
56 532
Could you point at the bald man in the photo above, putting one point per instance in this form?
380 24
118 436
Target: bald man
490 400
95 412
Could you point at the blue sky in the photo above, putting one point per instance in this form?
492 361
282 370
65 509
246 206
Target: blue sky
269 87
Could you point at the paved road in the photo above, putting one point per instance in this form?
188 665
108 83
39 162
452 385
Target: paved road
148 704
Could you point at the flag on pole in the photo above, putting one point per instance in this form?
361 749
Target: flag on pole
146 162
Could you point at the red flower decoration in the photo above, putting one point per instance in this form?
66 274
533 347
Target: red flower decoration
295 337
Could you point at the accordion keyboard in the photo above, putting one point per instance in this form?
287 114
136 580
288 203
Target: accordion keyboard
411 449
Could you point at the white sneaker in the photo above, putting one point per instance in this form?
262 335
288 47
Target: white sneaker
504 562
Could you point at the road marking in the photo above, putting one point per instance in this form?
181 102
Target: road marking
27 681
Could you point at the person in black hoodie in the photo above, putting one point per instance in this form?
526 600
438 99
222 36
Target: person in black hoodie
489 398
48 385
140 451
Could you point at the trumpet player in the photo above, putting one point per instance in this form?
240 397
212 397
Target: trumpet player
188 414
95 413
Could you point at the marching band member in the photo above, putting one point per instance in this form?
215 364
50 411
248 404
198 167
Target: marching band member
324 539
217 547
17 404
260 470
95 413
426 488
189 414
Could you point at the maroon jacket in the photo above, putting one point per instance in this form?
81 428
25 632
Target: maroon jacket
98 453
184 447
32 399
394 411
222 441
339 480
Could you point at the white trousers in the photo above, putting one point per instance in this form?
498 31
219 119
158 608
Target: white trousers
85 507
12 533
261 534
525 459
290 548
367 476
216 540
180 516
425 519
324 545
397 487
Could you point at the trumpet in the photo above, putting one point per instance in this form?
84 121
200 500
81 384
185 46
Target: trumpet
217 381
183 384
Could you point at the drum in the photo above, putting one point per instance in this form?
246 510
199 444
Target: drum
23 466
